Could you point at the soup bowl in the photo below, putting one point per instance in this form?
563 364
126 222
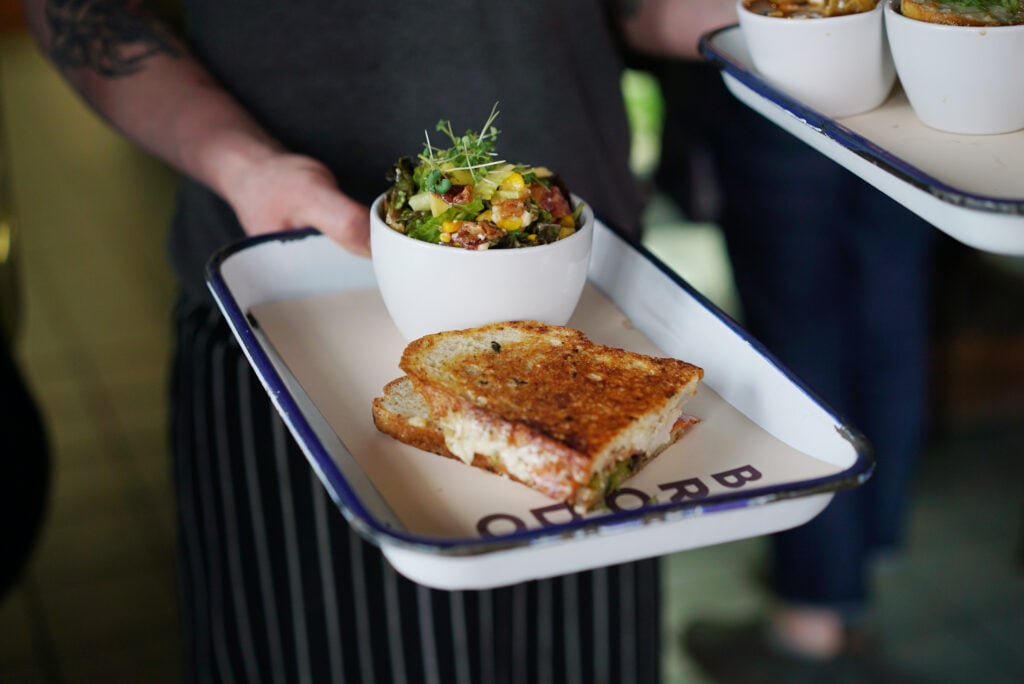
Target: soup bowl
838 65
959 79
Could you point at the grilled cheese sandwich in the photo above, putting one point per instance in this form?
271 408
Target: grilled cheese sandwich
541 404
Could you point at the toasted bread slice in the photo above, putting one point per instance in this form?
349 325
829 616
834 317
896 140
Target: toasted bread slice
402 413
984 13
549 407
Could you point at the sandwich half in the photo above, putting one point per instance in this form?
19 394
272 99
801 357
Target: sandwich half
543 405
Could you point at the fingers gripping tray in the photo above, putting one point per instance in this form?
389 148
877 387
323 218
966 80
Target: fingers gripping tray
767 455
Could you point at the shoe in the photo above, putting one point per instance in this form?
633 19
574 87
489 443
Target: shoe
750 653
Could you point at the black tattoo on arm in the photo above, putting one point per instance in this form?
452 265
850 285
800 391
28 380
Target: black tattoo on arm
114 37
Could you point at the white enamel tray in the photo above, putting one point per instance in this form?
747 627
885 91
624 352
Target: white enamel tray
766 456
970 187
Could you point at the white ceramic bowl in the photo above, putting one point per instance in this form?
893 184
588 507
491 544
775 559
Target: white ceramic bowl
429 288
959 79
838 66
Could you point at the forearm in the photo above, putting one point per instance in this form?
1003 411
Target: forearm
673 27
142 80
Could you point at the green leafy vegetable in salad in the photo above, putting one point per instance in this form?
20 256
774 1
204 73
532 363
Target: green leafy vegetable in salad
462 195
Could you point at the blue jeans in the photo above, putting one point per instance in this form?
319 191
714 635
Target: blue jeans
833 277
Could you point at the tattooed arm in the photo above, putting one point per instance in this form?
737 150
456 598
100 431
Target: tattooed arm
674 27
136 74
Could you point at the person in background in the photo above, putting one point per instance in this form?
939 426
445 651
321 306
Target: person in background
24 440
25 445
835 279
287 115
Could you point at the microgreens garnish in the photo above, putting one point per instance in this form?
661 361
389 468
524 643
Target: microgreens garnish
473 152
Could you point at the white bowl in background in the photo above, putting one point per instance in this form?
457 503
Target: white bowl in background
839 65
430 288
959 79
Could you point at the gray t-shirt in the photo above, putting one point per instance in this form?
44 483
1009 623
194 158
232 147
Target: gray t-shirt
356 84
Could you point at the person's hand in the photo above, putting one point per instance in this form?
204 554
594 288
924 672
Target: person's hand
287 191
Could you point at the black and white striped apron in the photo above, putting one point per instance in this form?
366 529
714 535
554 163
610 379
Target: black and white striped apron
276 587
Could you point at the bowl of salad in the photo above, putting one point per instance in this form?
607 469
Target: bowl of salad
463 237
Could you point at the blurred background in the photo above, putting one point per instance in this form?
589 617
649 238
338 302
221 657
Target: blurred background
86 292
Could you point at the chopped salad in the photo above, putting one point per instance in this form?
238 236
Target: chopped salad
463 196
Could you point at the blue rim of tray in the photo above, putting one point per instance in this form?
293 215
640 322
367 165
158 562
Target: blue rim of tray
856 143
349 501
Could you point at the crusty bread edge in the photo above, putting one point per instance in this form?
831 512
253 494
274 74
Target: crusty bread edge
426 437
